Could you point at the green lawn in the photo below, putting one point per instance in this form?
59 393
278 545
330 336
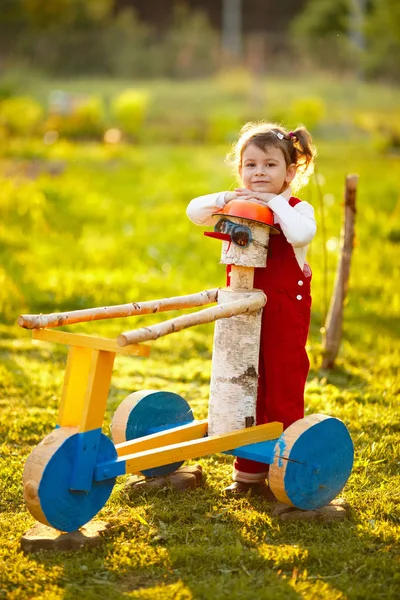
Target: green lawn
109 228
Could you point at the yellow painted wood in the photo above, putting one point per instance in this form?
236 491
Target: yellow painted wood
88 341
75 383
97 387
191 431
149 459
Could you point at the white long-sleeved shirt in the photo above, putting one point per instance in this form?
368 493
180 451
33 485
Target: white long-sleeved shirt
297 222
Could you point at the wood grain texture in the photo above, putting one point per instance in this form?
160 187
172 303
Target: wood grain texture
208 315
334 321
252 256
87 341
97 387
35 465
117 311
191 431
195 448
313 459
149 412
47 476
234 375
74 387
241 278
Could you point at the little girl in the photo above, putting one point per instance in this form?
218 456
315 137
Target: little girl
269 160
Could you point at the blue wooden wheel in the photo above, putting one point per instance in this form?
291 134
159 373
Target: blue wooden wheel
145 412
47 477
313 459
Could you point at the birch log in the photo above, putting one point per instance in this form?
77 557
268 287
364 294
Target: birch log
255 255
333 326
241 278
234 376
119 310
208 315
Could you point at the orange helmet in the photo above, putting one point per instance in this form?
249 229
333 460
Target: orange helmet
252 211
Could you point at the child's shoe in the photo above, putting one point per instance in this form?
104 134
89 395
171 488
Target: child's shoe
260 489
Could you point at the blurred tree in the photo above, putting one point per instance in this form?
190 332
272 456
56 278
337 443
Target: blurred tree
326 31
383 35
232 29
41 14
67 12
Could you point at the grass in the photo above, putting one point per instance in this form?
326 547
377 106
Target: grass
110 228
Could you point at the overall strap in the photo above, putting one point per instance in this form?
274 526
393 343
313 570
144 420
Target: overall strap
293 201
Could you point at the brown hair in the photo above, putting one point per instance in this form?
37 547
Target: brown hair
297 147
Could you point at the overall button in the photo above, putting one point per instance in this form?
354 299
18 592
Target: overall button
300 282
299 297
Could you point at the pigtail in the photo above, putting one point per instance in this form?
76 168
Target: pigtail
305 150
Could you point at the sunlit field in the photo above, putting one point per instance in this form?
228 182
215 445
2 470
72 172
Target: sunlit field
84 223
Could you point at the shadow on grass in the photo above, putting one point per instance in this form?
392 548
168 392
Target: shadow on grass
224 548
339 376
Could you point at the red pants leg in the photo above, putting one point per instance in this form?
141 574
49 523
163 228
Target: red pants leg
283 370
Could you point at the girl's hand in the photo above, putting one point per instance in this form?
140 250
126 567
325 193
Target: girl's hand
230 196
258 197
261 197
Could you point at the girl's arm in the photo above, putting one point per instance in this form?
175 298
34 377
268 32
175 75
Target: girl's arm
201 209
297 222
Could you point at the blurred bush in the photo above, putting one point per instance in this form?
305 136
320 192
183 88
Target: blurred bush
234 81
79 117
223 127
20 115
383 129
22 212
130 109
310 111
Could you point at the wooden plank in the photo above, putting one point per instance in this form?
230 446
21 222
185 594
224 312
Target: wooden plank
148 459
74 389
191 431
88 341
86 386
97 388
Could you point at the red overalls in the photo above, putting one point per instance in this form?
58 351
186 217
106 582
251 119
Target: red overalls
284 364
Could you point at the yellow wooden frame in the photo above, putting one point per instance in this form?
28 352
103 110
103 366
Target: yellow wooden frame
87 376
181 451
88 341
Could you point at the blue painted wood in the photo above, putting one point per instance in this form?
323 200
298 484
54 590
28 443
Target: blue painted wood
158 409
262 452
66 510
87 447
163 428
319 464
110 469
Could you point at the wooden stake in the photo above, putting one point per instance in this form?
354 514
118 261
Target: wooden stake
208 315
119 310
333 327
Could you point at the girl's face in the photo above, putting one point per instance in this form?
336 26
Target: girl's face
265 171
